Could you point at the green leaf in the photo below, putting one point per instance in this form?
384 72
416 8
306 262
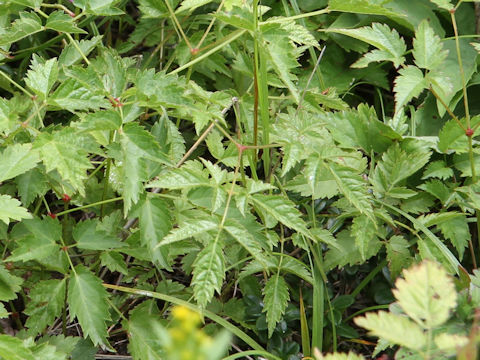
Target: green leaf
282 210
65 151
437 188
246 239
190 175
155 224
437 169
392 46
30 3
71 95
364 232
88 236
275 298
61 22
137 144
9 285
444 4
46 304
114 262
361 7
7 116
87 299
101 121
353 187
16 160
456 230
408 85
42 75
208 272
12 348
426 294
396 329
99 7
147 336
339 356
189 228
452 138
427 47
41 242
70 54
398 255
31 184
10 209
27 24
190 5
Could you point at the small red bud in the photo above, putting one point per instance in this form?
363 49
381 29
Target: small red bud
194 51
9 265
64 248
66 198
469 132
52 215
452 11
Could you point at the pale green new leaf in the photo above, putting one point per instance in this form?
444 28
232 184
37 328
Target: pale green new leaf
43 240
408 85
10 209
444 4
16 160
382 37
361 7
87 300
27 24
275 298
12 348
427 47
61 22
450 343
70 54
30 3
190 175
394 328
208 272
65 152
364 232
147 336
155 223
427 294
46 304
353 187
9 285
337 356
42 75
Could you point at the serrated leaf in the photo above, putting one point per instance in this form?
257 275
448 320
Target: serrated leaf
394 328
456 230
437 169
275 298
155 224
190 175
46 304
398 255
190 228
437 188
70 54
100 121
11 209
114 262
137 144
61 22
382 37
65 152
190 5
16 160
89 237
426 294
12 348
353 188
27 24
361 7
42 75
444 4
87 299
408 85
208 272
246 239
364 232
9 285
30 185
452 138
281 209
427 47
71 95
42 241
146 333
99 7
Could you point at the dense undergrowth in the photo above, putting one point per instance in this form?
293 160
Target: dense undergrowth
207 179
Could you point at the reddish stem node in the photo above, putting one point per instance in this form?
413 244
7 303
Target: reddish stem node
194 51
469 132
66 198
52 215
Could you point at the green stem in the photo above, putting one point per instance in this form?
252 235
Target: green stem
368 278
28 93
89 206
219 320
